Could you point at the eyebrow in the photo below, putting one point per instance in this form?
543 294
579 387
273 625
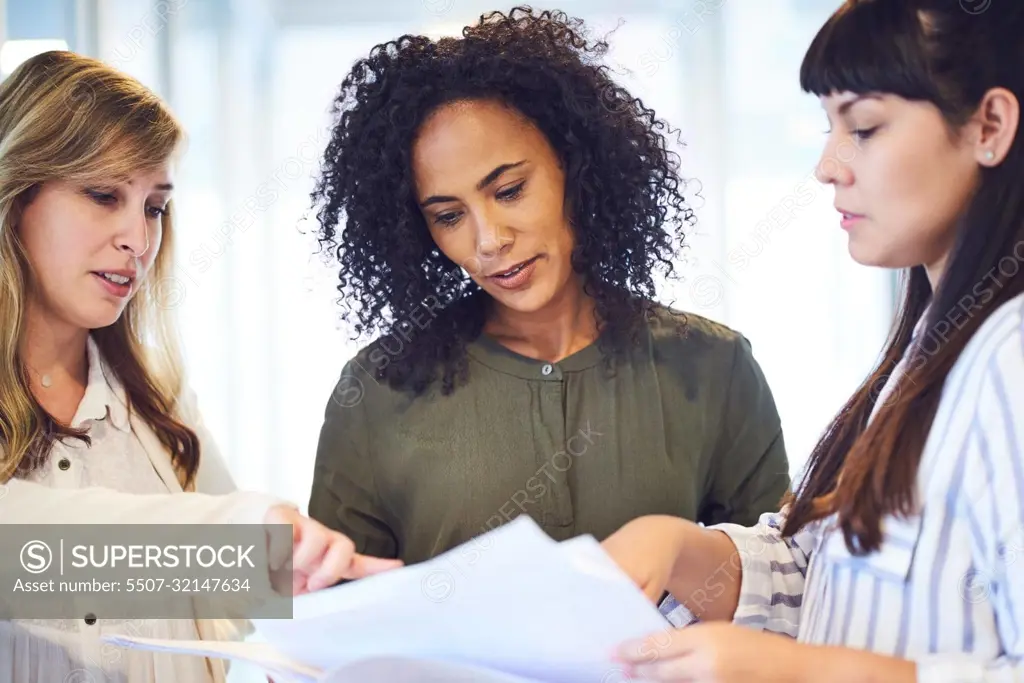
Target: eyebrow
845 106
163 187
484 182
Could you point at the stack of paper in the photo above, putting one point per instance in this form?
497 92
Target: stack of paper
512 603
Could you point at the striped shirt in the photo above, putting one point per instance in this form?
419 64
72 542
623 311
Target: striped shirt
945 589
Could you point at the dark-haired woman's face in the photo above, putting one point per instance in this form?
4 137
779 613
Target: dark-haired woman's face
901 180
492 193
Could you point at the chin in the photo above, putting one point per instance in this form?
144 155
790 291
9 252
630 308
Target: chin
530 300
872 256
880 261
99 316
865 260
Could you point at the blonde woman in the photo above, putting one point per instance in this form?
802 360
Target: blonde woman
96 426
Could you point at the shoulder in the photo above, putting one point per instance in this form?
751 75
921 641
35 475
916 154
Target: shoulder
214 474
982 396
978 425
359 391
678 335
996 349
708 361
187 406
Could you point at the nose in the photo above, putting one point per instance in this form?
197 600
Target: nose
833 167
493 239
133 238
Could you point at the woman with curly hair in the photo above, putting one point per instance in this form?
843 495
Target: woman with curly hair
499 208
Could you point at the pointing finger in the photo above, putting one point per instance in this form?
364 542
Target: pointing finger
367 565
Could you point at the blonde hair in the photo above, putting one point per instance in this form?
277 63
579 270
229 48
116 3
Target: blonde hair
71 118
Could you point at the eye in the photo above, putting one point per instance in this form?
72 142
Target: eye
447 219
511 193
102 198
864 133
156 212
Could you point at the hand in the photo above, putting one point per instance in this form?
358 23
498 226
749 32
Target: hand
319 557
646 549
717 653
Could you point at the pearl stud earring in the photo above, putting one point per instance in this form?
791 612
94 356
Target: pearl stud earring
990 155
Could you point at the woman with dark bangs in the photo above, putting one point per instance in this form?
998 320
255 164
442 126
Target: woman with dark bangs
500 209
894 559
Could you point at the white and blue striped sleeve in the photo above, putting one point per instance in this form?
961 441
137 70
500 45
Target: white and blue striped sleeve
772 571
993 504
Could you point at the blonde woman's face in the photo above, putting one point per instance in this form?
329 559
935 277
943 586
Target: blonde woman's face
91 246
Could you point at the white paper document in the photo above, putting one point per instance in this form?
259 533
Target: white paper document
511 602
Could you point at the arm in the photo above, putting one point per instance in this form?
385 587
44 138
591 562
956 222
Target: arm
749 575
344 493
720 572
739 566
213 477
772 572
23 502
749 468
215 502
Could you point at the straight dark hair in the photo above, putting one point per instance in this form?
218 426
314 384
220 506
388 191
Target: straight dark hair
949 54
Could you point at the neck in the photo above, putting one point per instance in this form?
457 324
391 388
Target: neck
934 273
54 349
937 268
560 329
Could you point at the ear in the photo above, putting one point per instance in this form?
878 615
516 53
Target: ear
997 120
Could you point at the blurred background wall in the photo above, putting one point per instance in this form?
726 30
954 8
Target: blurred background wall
252 80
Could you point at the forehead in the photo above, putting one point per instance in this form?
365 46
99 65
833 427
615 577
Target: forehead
841 102
155 178
122 167
464 141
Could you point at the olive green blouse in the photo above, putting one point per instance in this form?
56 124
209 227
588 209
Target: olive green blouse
685 426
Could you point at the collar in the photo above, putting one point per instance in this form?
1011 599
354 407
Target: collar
488 351
104 395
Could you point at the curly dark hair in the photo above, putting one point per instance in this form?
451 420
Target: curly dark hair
625 199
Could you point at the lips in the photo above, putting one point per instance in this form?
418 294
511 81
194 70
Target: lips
115 277
512 271
118 283
516 278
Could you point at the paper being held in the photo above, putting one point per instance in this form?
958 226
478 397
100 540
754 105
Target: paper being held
511 601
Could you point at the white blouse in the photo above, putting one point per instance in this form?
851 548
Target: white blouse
71 651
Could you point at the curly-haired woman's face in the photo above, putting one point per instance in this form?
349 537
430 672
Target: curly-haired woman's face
492 192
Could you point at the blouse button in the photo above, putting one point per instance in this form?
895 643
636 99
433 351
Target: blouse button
64 464
546 370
